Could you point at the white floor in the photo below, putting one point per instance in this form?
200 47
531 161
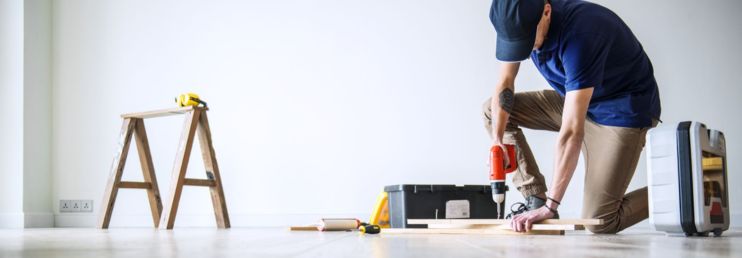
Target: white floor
278 242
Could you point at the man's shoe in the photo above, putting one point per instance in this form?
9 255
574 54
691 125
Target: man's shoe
532 203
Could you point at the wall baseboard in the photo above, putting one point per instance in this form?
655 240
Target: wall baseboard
11 220
38 220
27 220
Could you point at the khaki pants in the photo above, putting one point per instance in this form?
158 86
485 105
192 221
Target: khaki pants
611 155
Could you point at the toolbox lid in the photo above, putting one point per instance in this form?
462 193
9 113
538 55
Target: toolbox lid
437 188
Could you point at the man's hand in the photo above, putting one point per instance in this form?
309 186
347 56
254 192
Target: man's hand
523 222
506 157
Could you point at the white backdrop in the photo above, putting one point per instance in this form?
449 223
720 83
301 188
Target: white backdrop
316 105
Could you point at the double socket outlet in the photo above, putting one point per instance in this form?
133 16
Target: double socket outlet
75 205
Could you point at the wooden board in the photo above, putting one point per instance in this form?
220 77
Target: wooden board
162 112
507 226
303 228
585 222
467 231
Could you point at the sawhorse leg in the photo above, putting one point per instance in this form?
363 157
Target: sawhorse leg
135 127
196 121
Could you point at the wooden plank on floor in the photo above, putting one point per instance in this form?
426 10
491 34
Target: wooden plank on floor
303 228
507 226
162 112
467 231
584 222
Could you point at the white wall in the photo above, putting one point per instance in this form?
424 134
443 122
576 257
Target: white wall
316 105
37 192
11 112
25 109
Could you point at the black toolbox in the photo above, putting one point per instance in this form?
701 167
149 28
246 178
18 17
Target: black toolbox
439 202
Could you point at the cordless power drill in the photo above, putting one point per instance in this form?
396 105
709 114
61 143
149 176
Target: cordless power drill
498 169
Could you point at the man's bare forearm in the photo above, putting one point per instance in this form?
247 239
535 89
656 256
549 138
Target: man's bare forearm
502 106
503 100
570 139
565 162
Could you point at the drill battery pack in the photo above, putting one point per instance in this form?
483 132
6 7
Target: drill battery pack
687 180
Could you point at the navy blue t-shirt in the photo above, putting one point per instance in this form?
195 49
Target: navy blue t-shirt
590 46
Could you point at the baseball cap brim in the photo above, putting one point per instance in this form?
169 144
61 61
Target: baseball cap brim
514 50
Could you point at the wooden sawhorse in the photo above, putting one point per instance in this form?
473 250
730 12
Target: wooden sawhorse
134 125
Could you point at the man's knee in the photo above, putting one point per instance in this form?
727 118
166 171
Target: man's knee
608 213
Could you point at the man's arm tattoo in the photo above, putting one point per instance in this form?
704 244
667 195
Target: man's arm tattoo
507 100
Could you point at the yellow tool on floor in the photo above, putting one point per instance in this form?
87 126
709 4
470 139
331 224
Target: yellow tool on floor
380 214
189 99
369 229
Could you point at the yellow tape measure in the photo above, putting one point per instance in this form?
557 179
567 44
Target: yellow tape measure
189 99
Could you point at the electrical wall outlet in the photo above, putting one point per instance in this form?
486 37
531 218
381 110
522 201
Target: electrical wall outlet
75 205
65 206
86 205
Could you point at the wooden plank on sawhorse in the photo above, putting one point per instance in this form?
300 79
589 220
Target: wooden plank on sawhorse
162 112
131 127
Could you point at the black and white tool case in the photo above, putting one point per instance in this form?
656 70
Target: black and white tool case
687 179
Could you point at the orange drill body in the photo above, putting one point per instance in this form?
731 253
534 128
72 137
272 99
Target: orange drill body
498 170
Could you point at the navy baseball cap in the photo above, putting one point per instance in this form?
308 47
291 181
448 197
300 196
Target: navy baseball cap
515 22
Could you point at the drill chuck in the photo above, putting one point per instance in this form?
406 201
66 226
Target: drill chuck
498 170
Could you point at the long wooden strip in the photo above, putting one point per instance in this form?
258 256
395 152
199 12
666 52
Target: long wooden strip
303 228
162 112
507 226
586 222
467 231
